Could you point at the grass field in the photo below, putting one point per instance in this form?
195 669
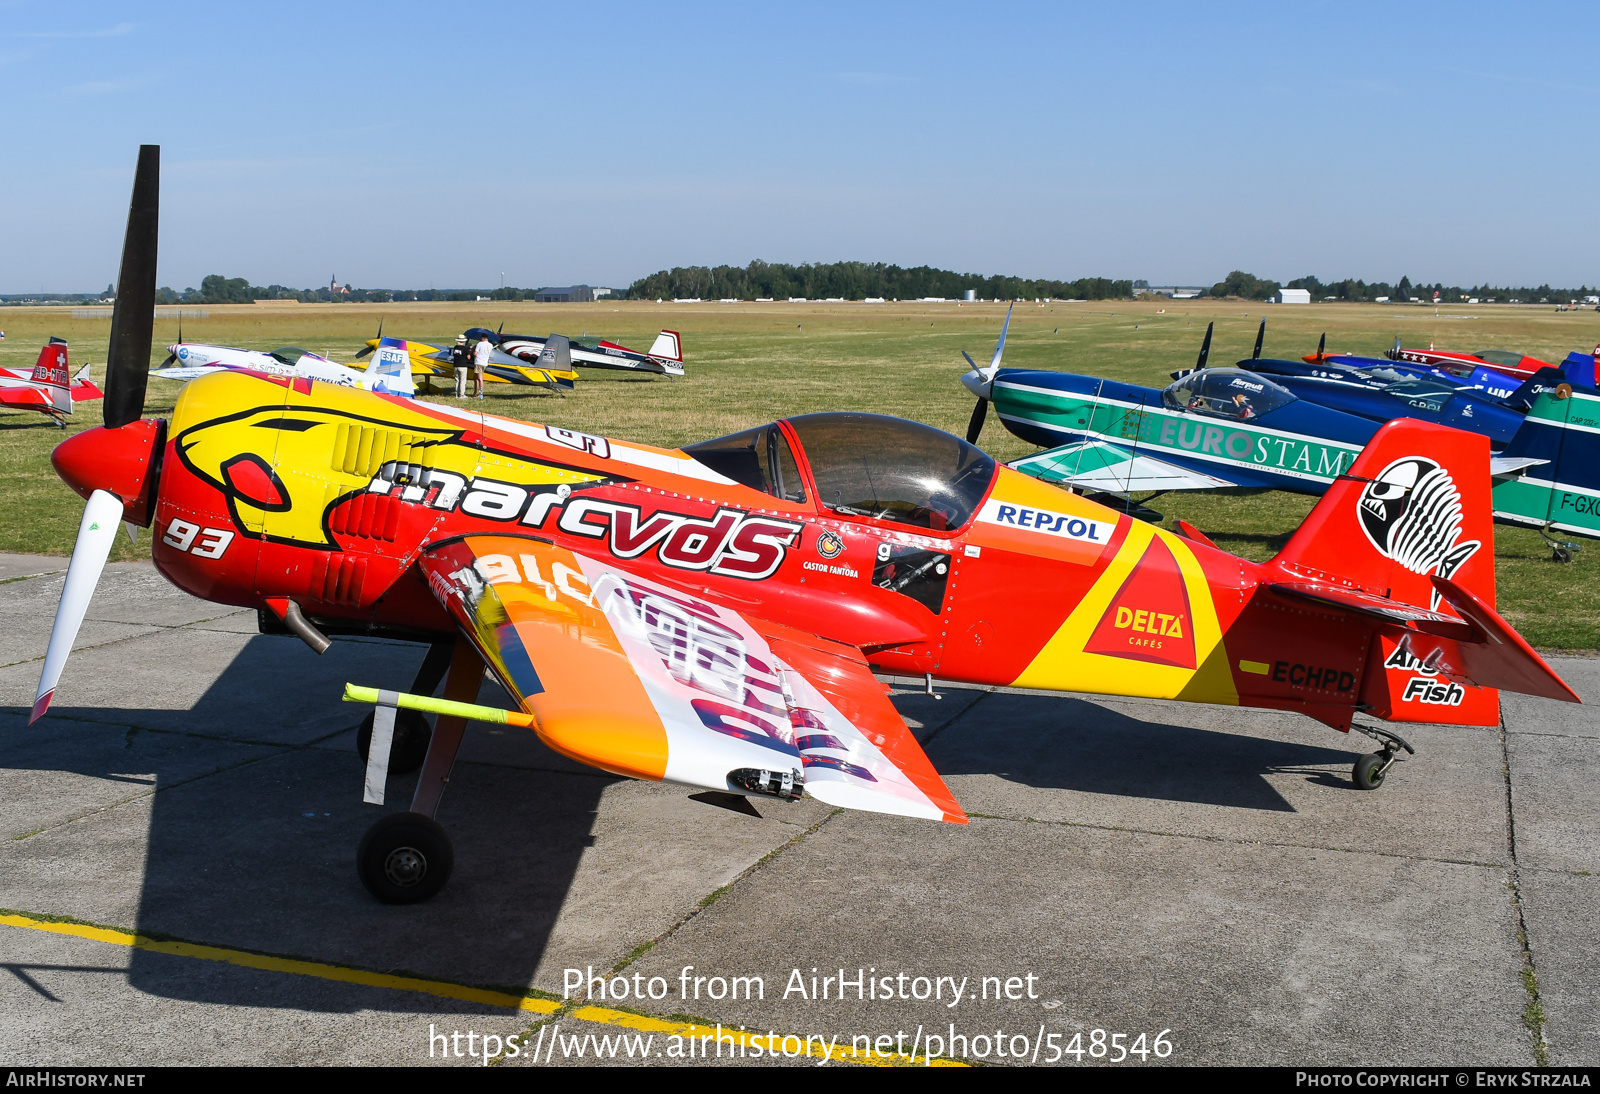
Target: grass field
749 363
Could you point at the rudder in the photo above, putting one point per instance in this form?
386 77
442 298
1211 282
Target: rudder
1416 504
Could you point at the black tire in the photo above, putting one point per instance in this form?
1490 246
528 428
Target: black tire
410 745
404 858
1562 554
1368 773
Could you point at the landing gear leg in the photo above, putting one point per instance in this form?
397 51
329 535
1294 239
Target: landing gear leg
1560 550
406 857
1369 771
411 730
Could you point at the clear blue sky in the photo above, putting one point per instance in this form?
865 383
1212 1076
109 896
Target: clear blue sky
403 145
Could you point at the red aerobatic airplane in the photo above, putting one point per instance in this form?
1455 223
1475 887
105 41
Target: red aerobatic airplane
713 616
49 388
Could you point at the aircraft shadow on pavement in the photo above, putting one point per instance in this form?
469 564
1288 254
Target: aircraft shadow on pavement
252 845
1071 744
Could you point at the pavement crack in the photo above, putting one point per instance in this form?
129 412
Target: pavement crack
29 577
1240 842
1533 1016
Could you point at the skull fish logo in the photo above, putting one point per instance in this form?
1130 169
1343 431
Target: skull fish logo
1412 514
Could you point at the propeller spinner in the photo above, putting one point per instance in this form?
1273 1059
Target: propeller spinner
114 465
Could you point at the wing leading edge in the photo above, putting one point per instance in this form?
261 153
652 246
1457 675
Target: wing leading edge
642 680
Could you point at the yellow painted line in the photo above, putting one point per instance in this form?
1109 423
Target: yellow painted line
446 990
1258 667
321 971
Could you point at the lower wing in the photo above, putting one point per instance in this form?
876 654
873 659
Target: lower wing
1101 466
642 680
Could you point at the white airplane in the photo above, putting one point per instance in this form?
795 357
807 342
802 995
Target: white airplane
388 373
665 356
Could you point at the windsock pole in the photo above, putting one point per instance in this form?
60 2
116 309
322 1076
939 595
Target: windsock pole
429 705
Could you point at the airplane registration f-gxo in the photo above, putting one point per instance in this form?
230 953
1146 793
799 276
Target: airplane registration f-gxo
714 615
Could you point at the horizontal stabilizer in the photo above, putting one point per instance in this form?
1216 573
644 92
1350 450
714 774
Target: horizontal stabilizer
1505 467
1501 658
1397 612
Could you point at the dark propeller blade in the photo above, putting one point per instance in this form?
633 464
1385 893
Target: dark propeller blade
975 426
133 317
375 341
1205 349
1322 344
1261 334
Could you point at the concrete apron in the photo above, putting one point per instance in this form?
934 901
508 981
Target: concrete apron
1131 868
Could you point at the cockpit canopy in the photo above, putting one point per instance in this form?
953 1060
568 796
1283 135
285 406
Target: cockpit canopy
864 465
1226 393
758 458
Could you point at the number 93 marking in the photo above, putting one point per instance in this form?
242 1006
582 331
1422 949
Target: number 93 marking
195 540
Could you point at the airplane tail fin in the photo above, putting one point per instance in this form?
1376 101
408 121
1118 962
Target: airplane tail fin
557 353
1544 379
1404 540
667 346
1560 490
51 372
389 371
1579 369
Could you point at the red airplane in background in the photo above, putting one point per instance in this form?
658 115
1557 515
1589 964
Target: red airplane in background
49 388
714 615
1507 361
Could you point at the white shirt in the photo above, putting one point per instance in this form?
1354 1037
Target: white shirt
480 354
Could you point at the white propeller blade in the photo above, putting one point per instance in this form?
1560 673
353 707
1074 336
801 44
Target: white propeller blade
980 381
95 536
1000 347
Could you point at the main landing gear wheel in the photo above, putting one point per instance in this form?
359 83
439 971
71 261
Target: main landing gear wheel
1370 769
404 858
410 745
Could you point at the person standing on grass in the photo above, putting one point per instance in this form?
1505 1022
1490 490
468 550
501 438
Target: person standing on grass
480 361
461 361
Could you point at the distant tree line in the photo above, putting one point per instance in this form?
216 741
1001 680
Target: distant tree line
216 289
860 280
856 281
1249 287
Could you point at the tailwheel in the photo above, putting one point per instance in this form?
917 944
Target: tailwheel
405 858
1369 770
410 745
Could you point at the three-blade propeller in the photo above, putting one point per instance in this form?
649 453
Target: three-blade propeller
127 373
980 381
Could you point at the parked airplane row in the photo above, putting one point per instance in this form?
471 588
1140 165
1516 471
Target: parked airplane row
402 366
1300 426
